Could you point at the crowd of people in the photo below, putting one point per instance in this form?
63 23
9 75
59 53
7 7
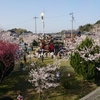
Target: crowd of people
58 51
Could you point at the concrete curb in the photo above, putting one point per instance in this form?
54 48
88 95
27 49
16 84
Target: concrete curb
94 95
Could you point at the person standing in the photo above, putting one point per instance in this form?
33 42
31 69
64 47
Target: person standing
46 54
21 66
20 97
58 74
25 58
42 57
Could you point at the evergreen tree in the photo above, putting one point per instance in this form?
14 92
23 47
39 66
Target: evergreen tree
35 43
85 59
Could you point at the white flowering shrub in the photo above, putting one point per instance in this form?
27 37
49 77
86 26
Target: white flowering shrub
43 77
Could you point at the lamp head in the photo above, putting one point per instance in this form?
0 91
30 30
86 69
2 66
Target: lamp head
42 17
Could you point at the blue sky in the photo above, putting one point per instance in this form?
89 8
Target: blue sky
20 13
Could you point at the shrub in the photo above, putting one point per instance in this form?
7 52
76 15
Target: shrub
7 58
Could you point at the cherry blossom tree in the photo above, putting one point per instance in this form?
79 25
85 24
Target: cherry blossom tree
43 77
7 58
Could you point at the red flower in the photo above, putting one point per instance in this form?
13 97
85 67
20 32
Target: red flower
7 52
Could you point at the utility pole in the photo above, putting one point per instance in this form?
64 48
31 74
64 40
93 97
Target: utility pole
72 24
35 24
96 28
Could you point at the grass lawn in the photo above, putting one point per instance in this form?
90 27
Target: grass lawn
71 87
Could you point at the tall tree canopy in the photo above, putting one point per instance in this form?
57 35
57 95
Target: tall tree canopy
19 31
86 27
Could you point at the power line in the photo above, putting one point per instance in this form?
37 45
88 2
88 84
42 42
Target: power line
19 22
31 19
35 21
57 16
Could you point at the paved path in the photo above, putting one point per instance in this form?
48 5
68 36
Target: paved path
94 95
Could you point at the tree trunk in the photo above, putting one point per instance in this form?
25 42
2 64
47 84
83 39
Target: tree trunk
39 95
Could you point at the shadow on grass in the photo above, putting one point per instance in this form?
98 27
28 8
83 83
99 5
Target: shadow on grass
70 87
15 83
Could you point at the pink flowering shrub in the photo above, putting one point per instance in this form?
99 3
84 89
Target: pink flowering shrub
7 58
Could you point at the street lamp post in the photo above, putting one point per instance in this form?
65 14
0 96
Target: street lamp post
42 17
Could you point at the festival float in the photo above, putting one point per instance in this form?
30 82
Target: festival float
45 43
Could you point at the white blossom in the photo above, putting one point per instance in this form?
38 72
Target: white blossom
98 68
43 77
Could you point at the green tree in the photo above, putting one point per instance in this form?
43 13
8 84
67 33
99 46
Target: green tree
98 22
19 31
35 43
86 27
